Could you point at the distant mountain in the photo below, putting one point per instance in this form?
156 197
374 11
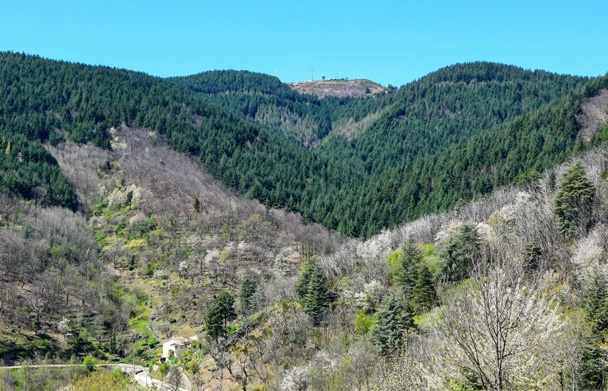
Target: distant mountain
356 165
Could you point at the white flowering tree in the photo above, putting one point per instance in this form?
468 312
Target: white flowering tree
496 333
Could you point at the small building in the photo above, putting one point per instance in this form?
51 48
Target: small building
176 345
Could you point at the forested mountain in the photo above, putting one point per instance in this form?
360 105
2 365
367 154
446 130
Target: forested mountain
116 231
481 116
268 101
236 123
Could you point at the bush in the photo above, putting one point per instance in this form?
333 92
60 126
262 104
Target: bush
89 363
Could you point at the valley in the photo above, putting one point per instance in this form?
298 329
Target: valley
448 234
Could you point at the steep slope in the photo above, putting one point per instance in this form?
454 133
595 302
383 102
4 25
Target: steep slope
224 119
448 107
161 239
155 240
264 99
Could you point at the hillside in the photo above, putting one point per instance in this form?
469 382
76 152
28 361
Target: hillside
340 88
357 145
144 261
339 162
134 209
159 261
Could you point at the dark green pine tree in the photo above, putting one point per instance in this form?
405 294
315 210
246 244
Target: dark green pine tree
595 301
574 201
218 316
424 296
246 294
594 367
394 320
197 205
459 252
408 272
312 288
305 272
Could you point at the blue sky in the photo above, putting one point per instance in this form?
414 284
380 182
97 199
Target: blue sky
391 42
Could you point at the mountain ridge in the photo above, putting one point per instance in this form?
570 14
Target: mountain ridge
270 143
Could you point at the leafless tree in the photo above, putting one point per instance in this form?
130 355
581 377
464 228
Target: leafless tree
497 333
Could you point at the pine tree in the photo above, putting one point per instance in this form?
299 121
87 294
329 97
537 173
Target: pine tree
246 294
552 180
460 251
594 367
318 299
305 273
394 320
424 296
595 301
312 288
220 313
574 201
197 205
36 323
408 272
532 257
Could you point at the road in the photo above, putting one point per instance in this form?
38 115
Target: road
139 374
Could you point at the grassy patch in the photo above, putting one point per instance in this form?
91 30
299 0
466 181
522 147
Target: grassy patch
140 325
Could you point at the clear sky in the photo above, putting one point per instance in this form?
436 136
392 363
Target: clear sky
391 42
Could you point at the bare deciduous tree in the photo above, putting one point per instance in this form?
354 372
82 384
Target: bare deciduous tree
497 333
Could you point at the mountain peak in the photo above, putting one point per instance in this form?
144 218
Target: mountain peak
338 87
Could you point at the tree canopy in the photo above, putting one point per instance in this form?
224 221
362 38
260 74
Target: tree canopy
356 165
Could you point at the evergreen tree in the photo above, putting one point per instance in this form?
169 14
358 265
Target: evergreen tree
220 313
552 180
532 257
595 301
246 294
394 320
197 205
594 361
424 296
593 368
459 252
574 201
312 288
408 272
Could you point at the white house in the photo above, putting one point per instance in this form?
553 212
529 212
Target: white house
176 345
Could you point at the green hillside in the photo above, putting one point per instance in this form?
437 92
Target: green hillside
123 223
424 126
418 149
